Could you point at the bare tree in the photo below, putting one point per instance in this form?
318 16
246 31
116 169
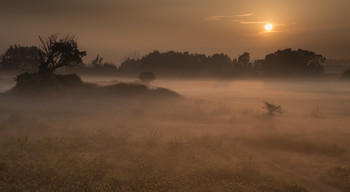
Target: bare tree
59 52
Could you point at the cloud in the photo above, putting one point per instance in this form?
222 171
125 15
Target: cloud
240 19
227 17
252 22
235 19
244 15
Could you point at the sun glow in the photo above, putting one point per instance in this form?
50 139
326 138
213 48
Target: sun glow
268 27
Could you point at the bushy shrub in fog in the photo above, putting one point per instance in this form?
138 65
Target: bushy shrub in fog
272 109
34 81
146 77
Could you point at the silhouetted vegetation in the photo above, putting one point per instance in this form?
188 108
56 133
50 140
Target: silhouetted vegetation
283 63
97 67
272 109
22 59
336 66
289 62
34 82
178 64
244 64
58 52
146 77
55 53
63 52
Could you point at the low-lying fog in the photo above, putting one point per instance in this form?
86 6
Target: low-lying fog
296 96
217 138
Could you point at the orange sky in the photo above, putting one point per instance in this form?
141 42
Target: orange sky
116 29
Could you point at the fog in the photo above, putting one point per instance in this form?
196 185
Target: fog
216 137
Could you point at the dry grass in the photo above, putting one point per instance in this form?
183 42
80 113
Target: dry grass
162 145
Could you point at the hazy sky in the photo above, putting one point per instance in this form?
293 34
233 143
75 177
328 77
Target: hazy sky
119 28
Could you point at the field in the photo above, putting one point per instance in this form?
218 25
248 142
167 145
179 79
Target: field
217 137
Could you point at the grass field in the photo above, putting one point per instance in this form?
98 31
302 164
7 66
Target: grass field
217 139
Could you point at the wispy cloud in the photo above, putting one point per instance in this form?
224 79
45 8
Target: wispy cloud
244 15
227 17
252 22
240 19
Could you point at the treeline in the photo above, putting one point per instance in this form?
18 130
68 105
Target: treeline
177 64
282 63
286 62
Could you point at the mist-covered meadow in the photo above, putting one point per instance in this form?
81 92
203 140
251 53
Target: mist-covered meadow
215 137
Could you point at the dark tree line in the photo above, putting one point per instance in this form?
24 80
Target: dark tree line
290 62
186 65
18 58
282 63
97 67
62 52
55 52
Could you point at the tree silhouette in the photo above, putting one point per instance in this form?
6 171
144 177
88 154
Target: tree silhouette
243 60
289 62
179 64
58 52
243 64
97 61
55 52
18 58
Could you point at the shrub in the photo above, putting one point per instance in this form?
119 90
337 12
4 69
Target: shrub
147 77
34 82
272 109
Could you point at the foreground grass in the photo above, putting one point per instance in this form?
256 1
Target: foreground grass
101 162
91 147
338 176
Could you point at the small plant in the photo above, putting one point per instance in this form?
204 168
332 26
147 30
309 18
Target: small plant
272 109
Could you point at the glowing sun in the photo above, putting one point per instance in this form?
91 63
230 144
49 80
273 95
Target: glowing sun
268 27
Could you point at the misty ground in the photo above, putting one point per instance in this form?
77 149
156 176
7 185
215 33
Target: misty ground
217 138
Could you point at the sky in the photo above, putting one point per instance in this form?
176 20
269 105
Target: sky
117 29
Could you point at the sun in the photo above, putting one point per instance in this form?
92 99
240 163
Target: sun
268 27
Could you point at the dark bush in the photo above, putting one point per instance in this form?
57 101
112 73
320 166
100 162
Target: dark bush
34 82
147 77
165 92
